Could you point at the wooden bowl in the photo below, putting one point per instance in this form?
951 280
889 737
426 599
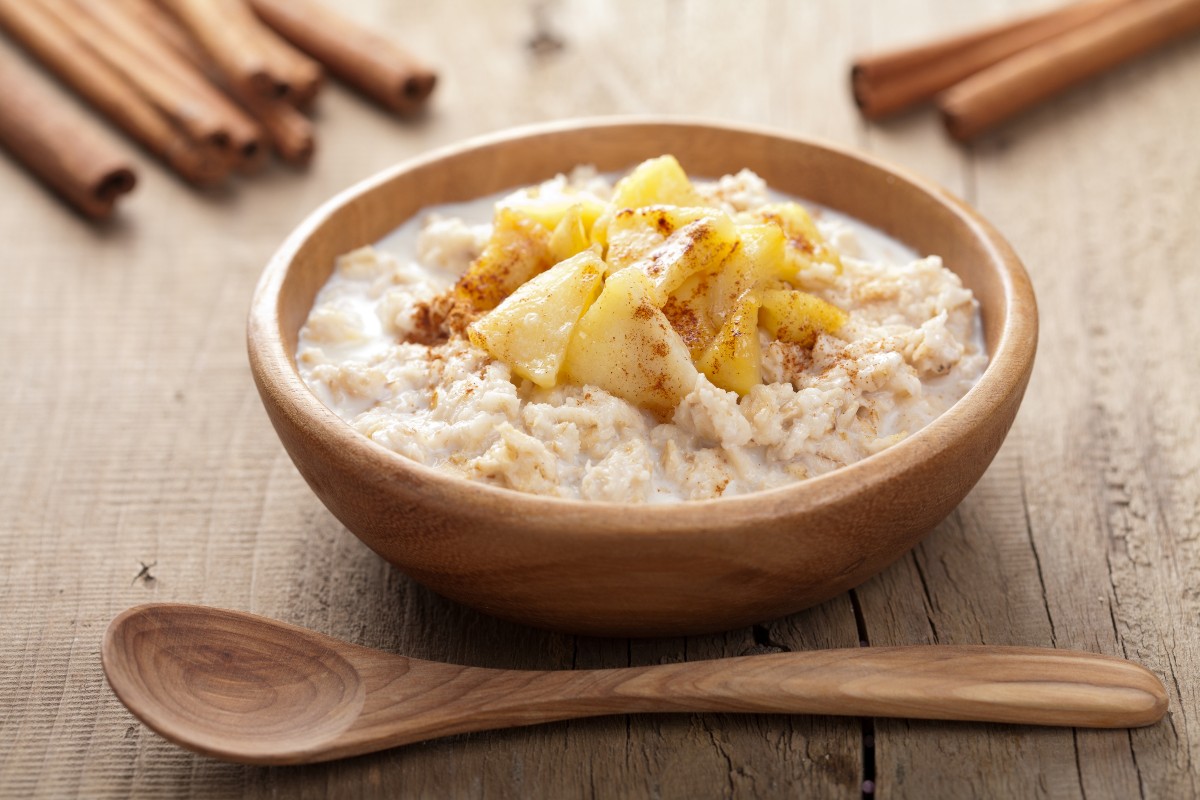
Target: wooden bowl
619 569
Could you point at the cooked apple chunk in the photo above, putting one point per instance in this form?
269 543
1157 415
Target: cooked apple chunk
697 246
630 234
625 345
689 310
550 211
734 359
530 330
759 261
805 243
653 182
518 249
570 237
798 317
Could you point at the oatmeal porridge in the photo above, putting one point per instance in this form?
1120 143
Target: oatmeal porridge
649 339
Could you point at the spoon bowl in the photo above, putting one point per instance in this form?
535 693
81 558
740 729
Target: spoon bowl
245 688
225 683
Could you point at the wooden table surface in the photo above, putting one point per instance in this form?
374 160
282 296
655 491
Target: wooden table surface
132 434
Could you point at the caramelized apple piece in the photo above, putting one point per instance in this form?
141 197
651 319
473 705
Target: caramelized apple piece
625 345
805 243
518 249
734 359
630 234
655 181
697 246
688 309
550 211
759 261
530 330
570 236
793 316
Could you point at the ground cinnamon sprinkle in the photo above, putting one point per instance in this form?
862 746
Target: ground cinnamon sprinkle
442 318
796 359
685 322
644 311
426 326
489 288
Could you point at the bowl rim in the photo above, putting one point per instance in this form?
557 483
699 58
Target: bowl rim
276 371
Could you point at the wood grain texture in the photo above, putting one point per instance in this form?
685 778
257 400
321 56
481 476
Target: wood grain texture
131 432
249 689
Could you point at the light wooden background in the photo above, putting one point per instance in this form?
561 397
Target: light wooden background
130 431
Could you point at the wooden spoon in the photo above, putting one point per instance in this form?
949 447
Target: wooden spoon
245 688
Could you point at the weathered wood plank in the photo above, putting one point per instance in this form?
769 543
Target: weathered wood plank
1111 453
1097 550
131 432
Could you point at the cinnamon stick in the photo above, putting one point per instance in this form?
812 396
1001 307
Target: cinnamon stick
290 132
173 99
1002 91
892 82
166 27
220 27
106 90
367 61
194 90
302 75
69 152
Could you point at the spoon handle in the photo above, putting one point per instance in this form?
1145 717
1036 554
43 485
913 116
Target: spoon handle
978 683
981 683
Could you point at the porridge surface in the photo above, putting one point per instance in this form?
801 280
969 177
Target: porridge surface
910 347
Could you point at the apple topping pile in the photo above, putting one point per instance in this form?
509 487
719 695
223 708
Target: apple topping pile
638 295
